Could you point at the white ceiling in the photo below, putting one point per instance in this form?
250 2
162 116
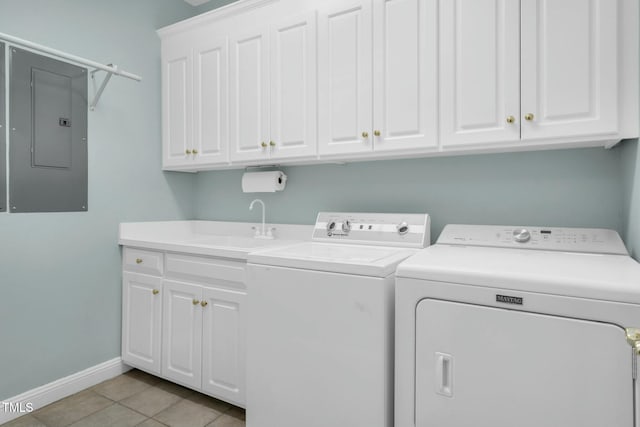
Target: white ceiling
196 2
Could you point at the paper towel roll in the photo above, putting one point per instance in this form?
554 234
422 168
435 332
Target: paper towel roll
263 182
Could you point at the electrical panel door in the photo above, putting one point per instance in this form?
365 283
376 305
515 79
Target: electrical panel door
48 139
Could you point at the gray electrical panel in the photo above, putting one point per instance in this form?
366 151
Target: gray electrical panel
3 134
48 135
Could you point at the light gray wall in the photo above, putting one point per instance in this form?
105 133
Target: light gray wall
60 290
579 187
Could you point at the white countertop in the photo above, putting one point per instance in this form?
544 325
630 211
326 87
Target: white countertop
213 238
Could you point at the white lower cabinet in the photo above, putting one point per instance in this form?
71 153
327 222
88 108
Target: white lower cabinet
189 325
141 321
223 345
182 333
203 339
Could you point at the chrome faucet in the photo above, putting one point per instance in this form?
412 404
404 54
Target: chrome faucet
261 234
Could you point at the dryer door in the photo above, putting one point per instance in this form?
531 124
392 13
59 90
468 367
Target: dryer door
485 366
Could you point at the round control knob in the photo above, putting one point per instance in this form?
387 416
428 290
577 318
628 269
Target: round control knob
403 228
346 226
331 225
521 235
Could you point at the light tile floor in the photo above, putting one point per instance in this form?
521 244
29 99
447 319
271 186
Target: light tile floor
135 399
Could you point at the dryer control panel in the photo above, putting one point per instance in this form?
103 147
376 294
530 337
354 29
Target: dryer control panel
384 229
584 240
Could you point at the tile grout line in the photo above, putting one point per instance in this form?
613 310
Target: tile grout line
151 418
79 419
125 406
179 401
166 409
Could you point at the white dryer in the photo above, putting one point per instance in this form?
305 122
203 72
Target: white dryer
526 327
320 322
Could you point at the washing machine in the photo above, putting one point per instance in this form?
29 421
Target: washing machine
320 322
527 326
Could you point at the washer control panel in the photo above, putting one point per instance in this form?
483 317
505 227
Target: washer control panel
588 240
406 230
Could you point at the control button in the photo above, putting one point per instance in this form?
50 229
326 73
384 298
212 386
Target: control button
346 226
331 225
403 228
370 227
521 235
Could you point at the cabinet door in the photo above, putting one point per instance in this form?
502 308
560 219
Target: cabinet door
479 71
223 346
141 321
569 68
182 333
294 87
405 74
345 77
177 102
210 112
249 95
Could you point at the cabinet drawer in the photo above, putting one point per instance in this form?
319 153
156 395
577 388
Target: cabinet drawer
141 261
205 269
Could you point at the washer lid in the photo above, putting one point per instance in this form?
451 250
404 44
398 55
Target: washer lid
586 275
377 261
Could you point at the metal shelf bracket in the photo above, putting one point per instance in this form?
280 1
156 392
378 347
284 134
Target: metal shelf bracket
97 91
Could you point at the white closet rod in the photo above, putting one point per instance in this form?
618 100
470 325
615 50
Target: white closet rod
78 60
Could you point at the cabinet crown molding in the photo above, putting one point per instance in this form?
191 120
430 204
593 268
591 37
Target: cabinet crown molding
236 8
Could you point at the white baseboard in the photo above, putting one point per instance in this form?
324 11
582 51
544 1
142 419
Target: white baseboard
56 390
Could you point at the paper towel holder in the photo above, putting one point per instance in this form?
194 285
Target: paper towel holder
263 181
261 167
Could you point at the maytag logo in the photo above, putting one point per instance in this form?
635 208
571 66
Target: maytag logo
509 300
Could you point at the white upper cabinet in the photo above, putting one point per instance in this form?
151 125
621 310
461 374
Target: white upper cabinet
293 131
266 82
249 94
479 71
210 86
378 76
405 78
569 68
345 77
177 101
195 100
529 71
273 90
